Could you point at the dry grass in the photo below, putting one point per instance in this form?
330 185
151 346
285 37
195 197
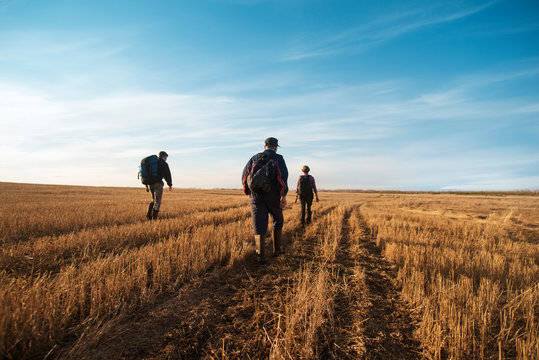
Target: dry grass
304 329
471 264
73 257
308 316
102 271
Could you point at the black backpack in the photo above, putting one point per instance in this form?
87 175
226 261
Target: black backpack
304 190
148 170
263 174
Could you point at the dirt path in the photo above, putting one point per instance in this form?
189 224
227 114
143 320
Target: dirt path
231 312
387 326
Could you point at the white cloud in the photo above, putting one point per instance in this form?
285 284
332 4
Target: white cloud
532 108
381 30
367 132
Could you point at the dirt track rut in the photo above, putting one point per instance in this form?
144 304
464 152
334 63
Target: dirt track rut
388 324
231 312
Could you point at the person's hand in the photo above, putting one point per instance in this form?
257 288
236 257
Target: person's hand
147 190
170 188
283 203
317 200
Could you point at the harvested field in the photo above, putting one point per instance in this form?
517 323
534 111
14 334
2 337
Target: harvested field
377 276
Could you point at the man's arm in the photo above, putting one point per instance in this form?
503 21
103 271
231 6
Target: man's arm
168 176
297 186
313 184
283 173
283 179
164 172
244 174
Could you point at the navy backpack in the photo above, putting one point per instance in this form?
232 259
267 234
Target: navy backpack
148 170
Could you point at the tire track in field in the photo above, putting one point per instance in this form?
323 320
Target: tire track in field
347 341
231 312
388 325
228 312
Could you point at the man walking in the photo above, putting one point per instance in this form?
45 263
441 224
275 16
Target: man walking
264 178
304 190
156 188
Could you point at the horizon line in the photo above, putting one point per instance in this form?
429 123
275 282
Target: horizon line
440 191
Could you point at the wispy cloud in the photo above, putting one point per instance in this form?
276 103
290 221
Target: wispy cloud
381 30
501 29
75 63
92 95
376 127
35 46
532 108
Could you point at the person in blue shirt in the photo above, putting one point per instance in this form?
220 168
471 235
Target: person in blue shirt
269 203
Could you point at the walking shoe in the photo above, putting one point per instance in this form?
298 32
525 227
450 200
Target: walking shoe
260 245
277 242
149 212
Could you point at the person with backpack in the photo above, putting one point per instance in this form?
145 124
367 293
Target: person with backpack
153 170
304 190
264 179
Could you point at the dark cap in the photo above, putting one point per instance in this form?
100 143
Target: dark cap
162 153
271 142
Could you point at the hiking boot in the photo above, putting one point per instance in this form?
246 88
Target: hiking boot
277 242
260 242
149 212
154 214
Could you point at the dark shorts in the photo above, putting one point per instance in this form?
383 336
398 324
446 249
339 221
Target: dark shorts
261 207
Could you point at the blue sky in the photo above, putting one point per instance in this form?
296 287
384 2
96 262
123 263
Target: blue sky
407 95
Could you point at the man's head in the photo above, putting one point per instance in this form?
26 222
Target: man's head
271 143
163 155
305 169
